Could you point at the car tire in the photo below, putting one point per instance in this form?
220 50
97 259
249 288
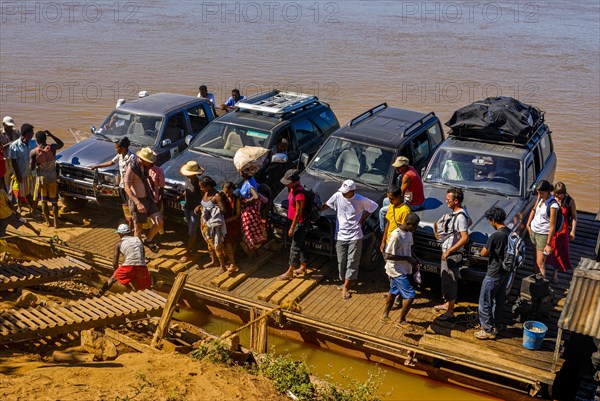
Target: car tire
371 257
73 203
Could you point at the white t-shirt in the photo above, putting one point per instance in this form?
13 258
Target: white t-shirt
124 163
399 244
349 212
541 222
460 223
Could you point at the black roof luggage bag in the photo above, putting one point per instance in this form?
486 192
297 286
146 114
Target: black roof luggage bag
502 119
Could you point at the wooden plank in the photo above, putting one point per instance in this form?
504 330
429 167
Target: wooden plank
155 299
73 318
237 278
41 316
134 303
76 311
23 318
484 357
306 286
111 310
12 324
49 315
170 306
101 308
87 308
33 318
275 287
58 317
130 342
116 303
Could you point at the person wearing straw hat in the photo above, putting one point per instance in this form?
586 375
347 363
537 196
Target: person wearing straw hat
141 203
191 205
133 273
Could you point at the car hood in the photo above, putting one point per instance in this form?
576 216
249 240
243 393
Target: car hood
89 153
476 204
218 169
326 186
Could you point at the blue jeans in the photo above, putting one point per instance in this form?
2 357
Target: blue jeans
491 301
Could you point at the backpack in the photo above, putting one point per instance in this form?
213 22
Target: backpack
560 221
445 225
511 252
312 205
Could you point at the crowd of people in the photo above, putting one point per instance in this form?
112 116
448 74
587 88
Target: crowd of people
230 218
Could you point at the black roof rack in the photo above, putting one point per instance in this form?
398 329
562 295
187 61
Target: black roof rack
418 122
368 114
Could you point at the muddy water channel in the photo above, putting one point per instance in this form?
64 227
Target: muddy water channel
64 65
396 385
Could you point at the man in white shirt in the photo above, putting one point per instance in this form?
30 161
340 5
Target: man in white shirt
398 265
352 210
203 93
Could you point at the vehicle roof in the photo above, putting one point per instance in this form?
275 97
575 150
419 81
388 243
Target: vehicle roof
385 128
493 149
267 122
159 104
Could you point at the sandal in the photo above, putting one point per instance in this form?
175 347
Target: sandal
152 246
384 320
232 269
284 277
407 327
346 295
441 308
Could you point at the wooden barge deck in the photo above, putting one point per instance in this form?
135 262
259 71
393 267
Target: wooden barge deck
446 351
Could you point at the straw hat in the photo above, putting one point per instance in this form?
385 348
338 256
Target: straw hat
146 154
191 168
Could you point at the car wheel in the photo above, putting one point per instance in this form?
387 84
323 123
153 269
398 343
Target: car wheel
73 203
371 257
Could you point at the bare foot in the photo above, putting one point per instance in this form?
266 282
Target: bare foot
300 271
232 268
184 259
285 276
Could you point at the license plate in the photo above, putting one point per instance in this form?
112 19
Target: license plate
430 268
317 245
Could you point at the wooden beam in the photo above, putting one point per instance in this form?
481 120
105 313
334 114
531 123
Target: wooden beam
163 325
130 342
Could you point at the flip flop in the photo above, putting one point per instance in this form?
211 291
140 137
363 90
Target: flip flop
384 320
407 327
440 307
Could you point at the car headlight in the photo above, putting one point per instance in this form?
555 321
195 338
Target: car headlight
279 210
475 249
109 179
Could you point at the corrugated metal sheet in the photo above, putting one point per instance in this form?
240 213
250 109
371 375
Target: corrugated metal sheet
581 313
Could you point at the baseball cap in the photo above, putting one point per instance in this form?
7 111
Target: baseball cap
401 161
290 176
347 186
123 229
8 121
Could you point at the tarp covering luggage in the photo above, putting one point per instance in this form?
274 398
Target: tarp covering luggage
496 118
249 157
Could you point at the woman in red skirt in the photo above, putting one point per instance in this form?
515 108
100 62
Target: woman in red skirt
560 258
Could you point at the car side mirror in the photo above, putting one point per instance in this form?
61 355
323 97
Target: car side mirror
279 158
304 158
188 139
165 143
93 129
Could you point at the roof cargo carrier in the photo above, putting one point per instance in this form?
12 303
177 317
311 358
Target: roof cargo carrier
276 102
497 119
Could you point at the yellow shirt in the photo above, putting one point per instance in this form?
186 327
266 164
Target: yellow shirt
395 216
5 210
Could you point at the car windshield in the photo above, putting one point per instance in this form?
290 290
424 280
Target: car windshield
476 171
141 130
225 139
360 162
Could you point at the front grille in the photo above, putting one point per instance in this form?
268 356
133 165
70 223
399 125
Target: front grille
426 247
70 189
76 173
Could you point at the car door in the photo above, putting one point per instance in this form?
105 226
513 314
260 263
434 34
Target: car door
198 117
273 171
308 135
172 141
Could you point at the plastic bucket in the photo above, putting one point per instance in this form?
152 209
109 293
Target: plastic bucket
533 334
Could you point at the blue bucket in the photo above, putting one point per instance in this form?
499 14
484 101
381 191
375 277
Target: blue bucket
533 334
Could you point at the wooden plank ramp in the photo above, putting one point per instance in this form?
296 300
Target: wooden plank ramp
281 291
40 272
26 324
228 281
